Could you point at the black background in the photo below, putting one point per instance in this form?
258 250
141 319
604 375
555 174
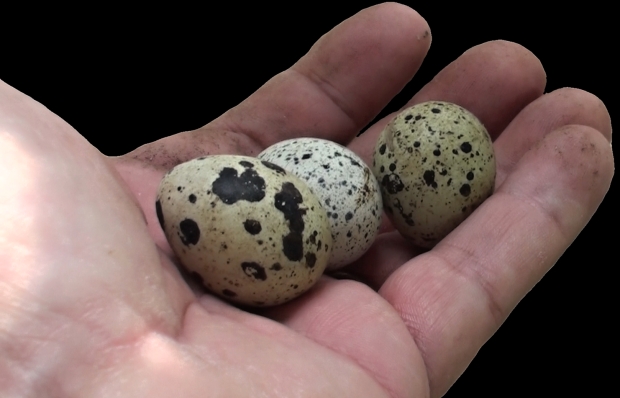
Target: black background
114 74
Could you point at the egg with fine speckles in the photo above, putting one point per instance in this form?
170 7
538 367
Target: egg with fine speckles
345 186
250 231
435 164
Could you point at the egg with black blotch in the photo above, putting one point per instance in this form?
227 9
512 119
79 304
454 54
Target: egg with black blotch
253 233
345 186
435 164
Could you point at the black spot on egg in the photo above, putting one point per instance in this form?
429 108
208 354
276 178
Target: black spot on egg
435 110
276 267
253 227
382 149
470 176
246 164
392 183
160 213
273 167
466 147
192 198
292 246
231 187
254 270
306 156
287 201
348 216
310 259
189 232
229 293
429 178
465 190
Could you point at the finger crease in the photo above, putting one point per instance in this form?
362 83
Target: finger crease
471 268
331 92
538 205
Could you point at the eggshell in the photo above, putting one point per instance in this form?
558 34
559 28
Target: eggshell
345 186
435 164
254 233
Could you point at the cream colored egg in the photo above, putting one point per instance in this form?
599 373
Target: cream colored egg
254 233
435 165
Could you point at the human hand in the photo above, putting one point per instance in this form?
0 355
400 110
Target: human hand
93 300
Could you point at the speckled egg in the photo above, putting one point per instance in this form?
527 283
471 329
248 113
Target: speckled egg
345 186
254 233
435 164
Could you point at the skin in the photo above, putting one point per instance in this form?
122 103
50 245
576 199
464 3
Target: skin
105 312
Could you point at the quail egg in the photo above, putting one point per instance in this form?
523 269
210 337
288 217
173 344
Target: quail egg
435 164
344 184
253 233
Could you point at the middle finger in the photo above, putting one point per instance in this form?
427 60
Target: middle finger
494 81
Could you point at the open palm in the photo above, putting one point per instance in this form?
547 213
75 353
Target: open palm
92 303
